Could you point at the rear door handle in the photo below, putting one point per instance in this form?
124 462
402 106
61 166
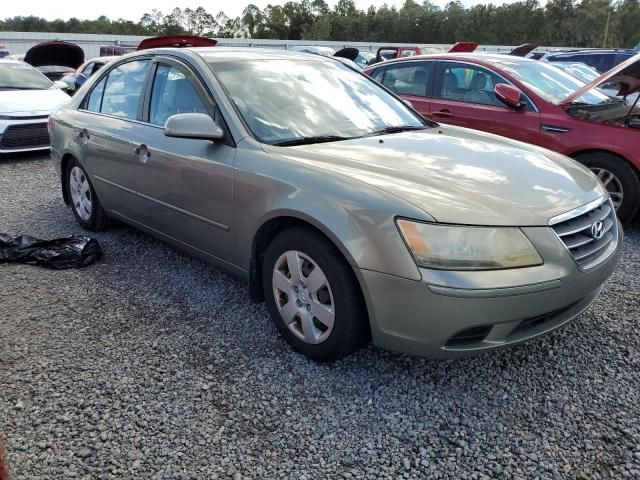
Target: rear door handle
142 152
82 133
443 114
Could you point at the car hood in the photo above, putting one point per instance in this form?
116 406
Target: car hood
63 54
625 77
176 41
31 102
461 176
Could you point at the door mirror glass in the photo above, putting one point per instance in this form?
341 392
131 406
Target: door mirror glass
509 95
193 125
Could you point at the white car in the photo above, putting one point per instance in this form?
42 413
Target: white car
27 98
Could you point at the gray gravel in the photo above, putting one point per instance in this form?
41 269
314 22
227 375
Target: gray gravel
151 364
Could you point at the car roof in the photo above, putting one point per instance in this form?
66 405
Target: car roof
103 59
590 51
225 54
469 57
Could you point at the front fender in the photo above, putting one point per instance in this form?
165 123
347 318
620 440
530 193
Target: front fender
357 218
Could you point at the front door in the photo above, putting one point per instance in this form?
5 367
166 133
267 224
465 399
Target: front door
464 96
185 185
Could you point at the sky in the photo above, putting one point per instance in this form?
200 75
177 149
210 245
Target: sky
134 9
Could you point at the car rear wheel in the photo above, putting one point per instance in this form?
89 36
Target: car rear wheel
83 199
619 178
313 296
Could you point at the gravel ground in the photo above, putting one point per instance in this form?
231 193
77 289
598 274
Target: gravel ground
151 364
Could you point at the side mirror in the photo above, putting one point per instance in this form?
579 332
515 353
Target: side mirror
61 85
407 103
193 125
509 95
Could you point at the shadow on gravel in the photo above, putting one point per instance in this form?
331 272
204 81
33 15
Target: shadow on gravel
21 157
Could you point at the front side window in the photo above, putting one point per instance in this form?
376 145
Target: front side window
411 78
377 74
172 93
283 100
123 89
468 83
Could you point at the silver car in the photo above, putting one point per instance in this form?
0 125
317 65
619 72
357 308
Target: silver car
27 98
352 216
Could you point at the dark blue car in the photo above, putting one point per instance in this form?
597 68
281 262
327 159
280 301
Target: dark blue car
600 59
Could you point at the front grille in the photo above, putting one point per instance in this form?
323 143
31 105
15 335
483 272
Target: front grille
576 233
29 135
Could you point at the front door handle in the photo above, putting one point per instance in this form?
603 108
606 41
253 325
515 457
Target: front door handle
143 153
443 114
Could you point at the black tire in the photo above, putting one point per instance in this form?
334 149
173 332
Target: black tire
626 175
351 327
97 219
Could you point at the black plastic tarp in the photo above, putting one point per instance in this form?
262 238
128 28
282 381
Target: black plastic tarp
75 251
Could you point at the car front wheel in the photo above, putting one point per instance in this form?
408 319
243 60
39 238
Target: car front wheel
313 296
619 178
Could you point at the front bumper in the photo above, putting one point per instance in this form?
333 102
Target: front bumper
453 314
24 134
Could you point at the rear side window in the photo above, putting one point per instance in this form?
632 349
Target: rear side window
123 89
172 93
377 74
413 78
94 102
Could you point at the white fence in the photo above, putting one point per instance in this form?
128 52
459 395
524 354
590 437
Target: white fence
20 42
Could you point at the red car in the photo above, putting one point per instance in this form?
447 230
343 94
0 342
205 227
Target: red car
388 53
597 124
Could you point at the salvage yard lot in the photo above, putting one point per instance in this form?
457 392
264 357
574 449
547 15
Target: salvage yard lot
151 364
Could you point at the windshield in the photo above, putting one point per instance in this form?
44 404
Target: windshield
548 81
20 76
284 100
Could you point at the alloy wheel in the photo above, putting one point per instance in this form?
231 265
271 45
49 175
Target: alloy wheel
612 184
303 297
80 193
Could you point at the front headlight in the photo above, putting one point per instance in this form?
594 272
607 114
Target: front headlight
455 247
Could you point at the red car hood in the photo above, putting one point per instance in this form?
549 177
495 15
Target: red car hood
625 76
176 41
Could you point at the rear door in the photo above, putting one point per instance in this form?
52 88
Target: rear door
463 95
102 127
411 80
185 185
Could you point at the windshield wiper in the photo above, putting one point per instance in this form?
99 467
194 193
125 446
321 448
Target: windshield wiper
398 129
310 140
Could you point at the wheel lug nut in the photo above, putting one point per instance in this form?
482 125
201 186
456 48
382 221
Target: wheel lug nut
298 303
308 307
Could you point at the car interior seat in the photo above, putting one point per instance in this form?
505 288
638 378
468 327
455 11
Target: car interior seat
477 92
419 83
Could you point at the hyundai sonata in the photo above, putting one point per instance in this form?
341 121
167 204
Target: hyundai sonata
352 216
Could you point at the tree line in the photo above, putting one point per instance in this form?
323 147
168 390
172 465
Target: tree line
570 23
